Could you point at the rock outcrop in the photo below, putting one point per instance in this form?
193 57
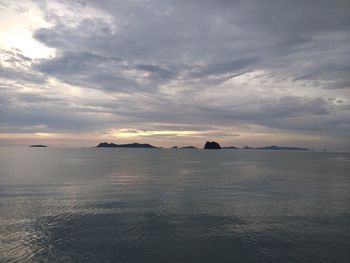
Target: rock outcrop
212 145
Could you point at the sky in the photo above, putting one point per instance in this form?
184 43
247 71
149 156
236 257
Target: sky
252 72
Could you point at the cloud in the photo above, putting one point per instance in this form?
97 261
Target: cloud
222 64
17 67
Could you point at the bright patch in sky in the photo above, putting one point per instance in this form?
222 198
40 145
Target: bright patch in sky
175 72
17 24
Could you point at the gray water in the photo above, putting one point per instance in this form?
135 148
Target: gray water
153 205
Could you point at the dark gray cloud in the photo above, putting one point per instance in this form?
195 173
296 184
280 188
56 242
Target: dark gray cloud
214 38
273 64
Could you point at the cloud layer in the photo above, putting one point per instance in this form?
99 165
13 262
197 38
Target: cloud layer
181 71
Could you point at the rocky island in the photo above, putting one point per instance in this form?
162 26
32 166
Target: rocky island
212 145
38 145
208 145
128 145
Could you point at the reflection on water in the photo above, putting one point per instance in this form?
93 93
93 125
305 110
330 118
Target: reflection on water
150 205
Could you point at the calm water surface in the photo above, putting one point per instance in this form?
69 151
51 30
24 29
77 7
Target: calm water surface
152 205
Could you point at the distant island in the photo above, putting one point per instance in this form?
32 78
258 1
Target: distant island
230 147
38 145
129 145
189 147
184 147
215 145
276 147
247 148
212 145
208 145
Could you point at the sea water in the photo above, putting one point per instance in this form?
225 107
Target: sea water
158 205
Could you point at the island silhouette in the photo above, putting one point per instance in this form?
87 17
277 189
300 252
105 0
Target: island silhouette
276 147
230 147
212 145
184 147
208 145
128 145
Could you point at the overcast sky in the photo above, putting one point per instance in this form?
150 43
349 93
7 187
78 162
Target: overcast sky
252 72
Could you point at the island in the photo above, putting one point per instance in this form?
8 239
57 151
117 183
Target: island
128 145
189 147
208 145
230 147
212 145
38 145
215 145
276 147
248 148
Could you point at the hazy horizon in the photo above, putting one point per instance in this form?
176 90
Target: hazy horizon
179 146
76 73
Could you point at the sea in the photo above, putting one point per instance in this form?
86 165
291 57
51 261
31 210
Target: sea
173 205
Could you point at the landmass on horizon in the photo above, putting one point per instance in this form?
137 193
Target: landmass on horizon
208 145
129 145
